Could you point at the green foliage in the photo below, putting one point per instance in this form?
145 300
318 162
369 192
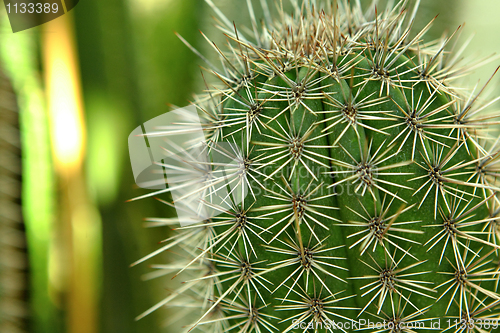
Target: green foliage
370 178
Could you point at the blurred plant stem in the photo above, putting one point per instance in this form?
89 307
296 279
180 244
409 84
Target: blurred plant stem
132 67
18 54
78 237
14 314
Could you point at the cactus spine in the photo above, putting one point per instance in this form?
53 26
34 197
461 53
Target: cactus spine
371 179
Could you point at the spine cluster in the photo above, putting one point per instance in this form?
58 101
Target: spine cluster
359 182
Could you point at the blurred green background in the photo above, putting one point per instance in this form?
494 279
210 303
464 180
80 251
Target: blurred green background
125 66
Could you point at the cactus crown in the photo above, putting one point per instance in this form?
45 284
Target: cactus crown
361 183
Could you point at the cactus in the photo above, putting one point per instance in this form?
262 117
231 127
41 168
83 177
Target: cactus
14 280
361 184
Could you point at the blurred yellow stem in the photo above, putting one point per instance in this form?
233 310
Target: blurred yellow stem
76 267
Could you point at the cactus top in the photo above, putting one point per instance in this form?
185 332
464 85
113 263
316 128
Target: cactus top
361 184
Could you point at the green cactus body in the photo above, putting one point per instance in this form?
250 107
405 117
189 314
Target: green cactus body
371 183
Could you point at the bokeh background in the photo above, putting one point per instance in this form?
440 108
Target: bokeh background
71 91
